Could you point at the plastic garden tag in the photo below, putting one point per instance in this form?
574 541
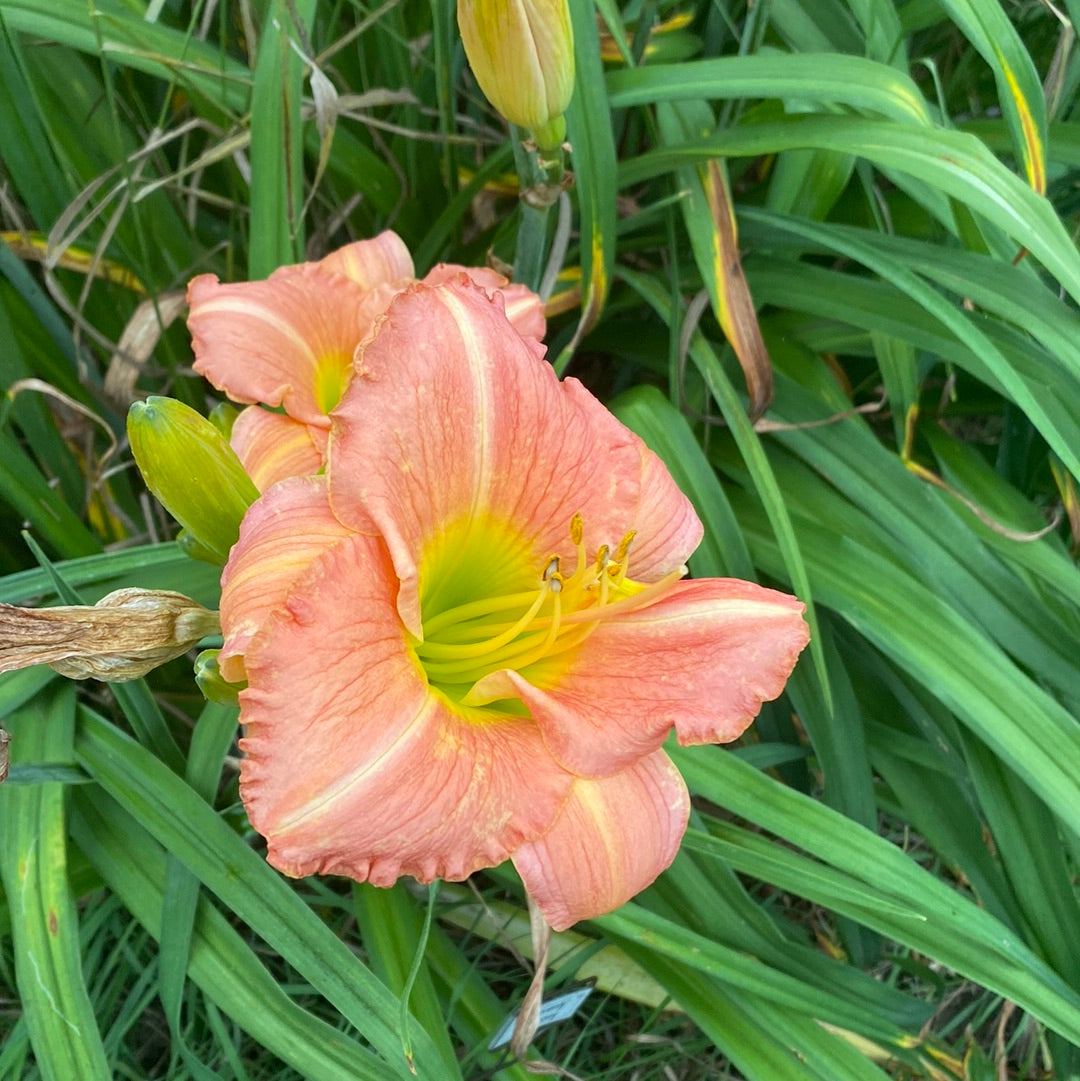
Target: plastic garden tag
552 1012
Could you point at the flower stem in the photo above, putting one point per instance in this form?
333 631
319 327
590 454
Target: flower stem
540 179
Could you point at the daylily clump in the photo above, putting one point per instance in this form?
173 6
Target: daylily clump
465 640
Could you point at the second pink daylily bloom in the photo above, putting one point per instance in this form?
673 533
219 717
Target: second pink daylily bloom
288 342
468 639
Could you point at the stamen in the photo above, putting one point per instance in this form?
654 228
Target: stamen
475 610
467 670
428 648
624 547
546 648
521 652
640 599
465 643
602 601
577 535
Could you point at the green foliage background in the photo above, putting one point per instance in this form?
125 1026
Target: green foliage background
881 881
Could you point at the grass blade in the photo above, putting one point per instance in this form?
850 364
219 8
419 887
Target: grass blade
868 879
45 921
219 962
588 122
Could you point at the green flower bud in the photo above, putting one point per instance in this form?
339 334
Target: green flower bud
214 686
193 548
188 464
522 54
223 417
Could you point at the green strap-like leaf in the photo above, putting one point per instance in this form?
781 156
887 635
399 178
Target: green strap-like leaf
864 876
224 967
743 974
952 162
45 920
277 159
1020 93
588 123
151 566
814 78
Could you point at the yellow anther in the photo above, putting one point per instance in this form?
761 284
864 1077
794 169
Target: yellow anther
597 568
551 570
624 547
577 529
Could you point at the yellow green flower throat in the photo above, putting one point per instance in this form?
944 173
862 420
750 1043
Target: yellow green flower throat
519 628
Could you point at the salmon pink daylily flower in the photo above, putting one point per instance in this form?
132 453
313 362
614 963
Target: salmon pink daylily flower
288 342
467 640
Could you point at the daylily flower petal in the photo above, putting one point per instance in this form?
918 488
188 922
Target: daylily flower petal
281 535
353 765
512 443
665 524
524 308
382 260
286 341
385 261
289 341
702 659
611 840
273 446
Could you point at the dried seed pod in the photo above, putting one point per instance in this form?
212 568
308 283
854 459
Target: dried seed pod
125 635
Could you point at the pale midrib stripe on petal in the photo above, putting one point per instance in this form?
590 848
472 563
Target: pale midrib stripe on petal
666 609
358 776
474 348
229 305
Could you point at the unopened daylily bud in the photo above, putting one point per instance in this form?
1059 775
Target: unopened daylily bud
214 686
192 547
188 464
522 54
223 417
125 635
